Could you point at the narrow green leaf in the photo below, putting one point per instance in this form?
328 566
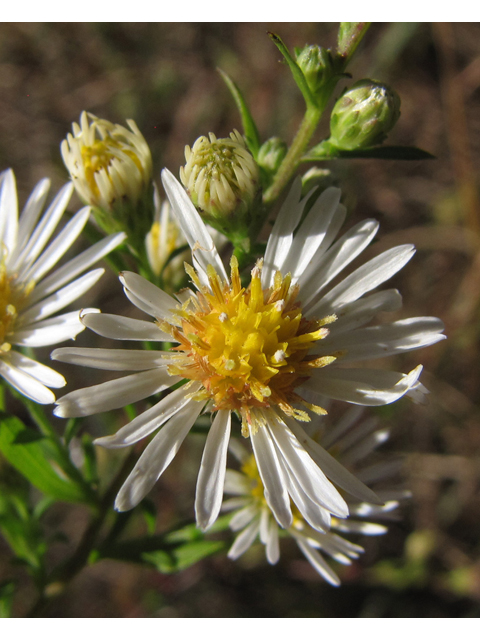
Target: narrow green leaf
182 556
297 73
170 552
328 152
37 460
249 127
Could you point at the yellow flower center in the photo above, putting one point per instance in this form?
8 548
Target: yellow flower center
247 346
12 297
100 155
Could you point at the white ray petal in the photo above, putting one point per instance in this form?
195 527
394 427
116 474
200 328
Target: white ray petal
317 562
76 266
25 383
309 476
121 328
60 299
151 419
28 219
8 210
244 540
311 233
114 393
156 457
363 280
211 477
322 269
192 225
332 468
281 236
51 331
371 387
111 359
146 296
44 229
58 247
47 376
271 473
354 315
384 340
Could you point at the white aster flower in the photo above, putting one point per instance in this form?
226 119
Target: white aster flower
257 351
351 443
29 294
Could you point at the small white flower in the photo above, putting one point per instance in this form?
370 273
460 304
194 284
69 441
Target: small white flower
29 294
252 518
233 364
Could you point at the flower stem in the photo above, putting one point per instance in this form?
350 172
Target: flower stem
292 159
62 576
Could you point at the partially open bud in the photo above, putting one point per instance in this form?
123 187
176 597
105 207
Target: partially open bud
111 168
222 180
316 64
165 237
364 115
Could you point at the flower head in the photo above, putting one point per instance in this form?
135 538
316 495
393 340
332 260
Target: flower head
258 351
222 179
111 168
351 442
29 294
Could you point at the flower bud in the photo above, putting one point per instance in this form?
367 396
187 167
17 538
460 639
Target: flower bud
222 180
316 64
111 168
364 115
164 237
271 154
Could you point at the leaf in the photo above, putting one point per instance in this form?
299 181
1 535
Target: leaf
249 127
170 552
183 556
297 73
20 530
328 152
38 460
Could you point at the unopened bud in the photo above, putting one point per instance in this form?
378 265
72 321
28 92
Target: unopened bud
316 64
364 115
222 179
271 154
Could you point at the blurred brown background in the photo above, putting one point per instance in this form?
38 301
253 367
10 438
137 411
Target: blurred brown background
164 77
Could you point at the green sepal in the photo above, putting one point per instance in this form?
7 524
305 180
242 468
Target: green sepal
297 73
326 151
38 460
250 130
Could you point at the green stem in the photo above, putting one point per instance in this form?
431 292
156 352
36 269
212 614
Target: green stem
292 159
63 575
